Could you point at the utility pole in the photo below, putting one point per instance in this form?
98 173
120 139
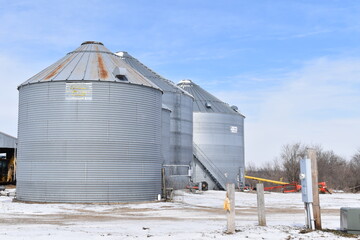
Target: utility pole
315 188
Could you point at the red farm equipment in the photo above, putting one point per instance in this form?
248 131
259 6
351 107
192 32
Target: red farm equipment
288 187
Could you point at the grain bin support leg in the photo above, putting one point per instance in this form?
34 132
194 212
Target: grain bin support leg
163 183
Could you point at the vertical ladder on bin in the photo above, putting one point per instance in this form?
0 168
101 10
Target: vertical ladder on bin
217 176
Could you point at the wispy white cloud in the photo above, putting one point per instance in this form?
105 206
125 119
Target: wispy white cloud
14 70
231 45
307 34
317 104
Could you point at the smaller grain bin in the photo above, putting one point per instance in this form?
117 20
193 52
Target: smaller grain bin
218 139
177 161
89 131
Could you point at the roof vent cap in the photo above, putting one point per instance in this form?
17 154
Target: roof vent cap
208 105
122 54
92 42
120 73
186 81
235 108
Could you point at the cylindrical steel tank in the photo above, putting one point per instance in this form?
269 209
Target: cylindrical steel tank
89 131
181 124
218 134
165 132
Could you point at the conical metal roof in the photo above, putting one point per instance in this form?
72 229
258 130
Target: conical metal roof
92 61
163 83
204 101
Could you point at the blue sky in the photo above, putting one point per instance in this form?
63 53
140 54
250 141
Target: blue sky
292 67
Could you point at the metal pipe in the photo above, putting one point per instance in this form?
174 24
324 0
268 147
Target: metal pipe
265 180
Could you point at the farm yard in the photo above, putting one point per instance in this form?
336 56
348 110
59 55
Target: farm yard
130 120
188 216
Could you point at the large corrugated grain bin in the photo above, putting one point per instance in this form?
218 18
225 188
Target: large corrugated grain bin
180 103
218 139
89 131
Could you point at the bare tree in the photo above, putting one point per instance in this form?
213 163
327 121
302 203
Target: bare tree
291 155
332 169
356 156
354 172
337 172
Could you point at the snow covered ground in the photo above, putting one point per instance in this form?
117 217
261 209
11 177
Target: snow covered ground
189 216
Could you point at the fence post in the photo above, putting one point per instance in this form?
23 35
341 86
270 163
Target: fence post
261 204
315 186
230 213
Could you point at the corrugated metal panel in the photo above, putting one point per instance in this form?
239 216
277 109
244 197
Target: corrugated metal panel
218 133
199 174
221 138
165 132
181 128
166 108
107 149
7 141
165 84
203 100
181 137
91 61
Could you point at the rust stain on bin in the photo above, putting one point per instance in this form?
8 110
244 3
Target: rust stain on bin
55 71
102 71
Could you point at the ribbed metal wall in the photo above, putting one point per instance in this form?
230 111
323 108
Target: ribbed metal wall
104 150
7 141
181 138
215 135
218 134
199 175
181 127
181 123
165 132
